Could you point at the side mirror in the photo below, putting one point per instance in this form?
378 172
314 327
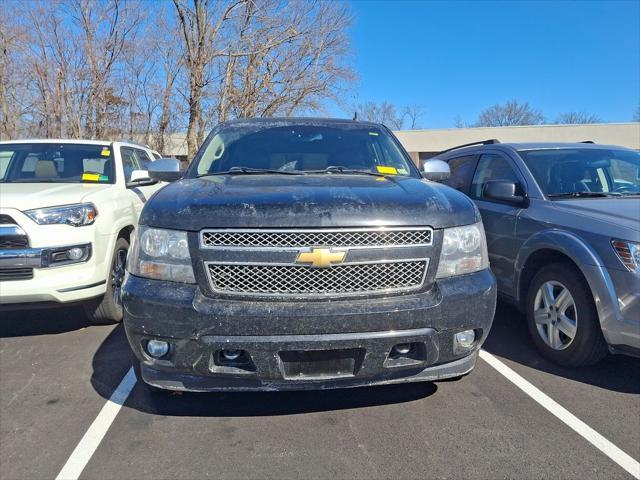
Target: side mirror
165 170
504 191
436 170
138 175
140 178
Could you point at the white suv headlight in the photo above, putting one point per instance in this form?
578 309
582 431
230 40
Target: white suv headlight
161 254
464 250
75 215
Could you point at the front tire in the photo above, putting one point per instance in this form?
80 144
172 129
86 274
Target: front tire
562 317
108 309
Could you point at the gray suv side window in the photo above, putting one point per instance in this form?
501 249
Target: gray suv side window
492 167
462 169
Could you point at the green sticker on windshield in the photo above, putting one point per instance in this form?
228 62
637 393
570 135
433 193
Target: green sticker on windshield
375 134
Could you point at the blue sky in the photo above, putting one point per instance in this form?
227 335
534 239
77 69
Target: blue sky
455 58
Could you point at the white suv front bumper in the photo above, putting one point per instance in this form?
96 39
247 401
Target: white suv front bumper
40 272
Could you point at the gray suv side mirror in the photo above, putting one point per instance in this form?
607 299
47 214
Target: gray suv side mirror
436 170
165 169
504 191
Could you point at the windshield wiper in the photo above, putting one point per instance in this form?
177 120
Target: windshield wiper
583 194
346 171
249 171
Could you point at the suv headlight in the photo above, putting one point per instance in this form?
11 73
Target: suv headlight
161 254
75 215
628 253
464 250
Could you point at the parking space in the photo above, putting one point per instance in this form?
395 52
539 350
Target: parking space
56 373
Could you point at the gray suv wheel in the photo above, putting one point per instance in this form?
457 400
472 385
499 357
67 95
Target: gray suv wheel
563 321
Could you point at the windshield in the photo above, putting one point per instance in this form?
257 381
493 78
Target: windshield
584 171
301 148
56 163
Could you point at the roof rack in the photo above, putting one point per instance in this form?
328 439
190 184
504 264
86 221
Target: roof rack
491 141
587 141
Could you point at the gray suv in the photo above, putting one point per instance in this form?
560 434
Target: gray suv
563 230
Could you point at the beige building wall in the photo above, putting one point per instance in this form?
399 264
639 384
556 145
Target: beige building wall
431 141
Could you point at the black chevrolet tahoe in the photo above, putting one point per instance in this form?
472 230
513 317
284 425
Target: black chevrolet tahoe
304 254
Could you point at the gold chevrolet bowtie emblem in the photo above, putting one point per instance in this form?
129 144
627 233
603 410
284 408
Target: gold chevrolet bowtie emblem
321 257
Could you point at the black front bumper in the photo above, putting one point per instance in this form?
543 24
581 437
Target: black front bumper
305 345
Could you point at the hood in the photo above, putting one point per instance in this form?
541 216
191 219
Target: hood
26 196
324 200
620 211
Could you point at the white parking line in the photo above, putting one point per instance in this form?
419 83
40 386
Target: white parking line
96 432
98 429
623 459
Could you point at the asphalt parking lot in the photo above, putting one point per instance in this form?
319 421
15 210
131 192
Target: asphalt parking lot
57 372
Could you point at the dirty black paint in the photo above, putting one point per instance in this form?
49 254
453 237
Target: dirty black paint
200 323
306 201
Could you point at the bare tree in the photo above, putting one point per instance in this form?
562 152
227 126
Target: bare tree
389 114
636 118
281 61
12 79
99 68
412 116
575 118
105 28
383 112
509 114
200 22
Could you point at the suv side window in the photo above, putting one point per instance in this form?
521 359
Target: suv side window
129 162
492 167
462 169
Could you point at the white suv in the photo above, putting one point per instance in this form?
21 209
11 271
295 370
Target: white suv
67 210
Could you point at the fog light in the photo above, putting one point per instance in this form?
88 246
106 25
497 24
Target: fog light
402 348
463 341
75 253
231 354
157 348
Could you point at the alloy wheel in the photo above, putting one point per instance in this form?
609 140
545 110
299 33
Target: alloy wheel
117 275
555 315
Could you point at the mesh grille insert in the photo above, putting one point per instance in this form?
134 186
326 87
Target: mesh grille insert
300 238
304 280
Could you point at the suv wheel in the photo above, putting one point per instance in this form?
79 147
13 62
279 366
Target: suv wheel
108 309
562 318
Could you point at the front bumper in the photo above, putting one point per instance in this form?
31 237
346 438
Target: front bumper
43 275
40 257
305 345
617 294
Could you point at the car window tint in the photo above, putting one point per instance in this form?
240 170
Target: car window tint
143 158
571 170
61 163
129 161
491 167
462 169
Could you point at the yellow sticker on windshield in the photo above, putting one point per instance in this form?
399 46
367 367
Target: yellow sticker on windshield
387 170
105 152
91 177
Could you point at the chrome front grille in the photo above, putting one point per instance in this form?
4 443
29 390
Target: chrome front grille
12 237
321 262
303 280
378 237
